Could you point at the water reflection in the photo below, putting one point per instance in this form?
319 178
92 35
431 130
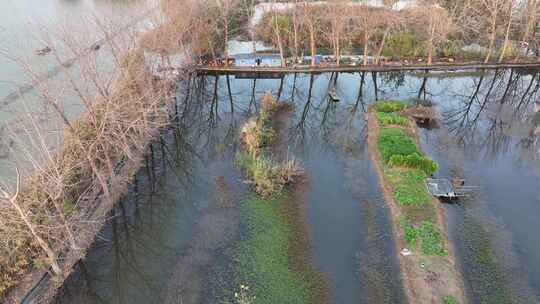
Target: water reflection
173 224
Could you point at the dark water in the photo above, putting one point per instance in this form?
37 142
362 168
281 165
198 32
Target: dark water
490 141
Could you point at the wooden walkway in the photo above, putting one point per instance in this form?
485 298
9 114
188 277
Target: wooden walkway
359 68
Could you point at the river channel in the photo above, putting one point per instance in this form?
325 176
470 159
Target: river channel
174 228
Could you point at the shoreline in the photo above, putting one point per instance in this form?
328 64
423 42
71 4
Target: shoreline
204 69
420 286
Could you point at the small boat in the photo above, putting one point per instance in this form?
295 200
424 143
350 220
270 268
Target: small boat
333 95
448 189
44 51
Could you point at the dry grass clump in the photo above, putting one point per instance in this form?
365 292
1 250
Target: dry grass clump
267 175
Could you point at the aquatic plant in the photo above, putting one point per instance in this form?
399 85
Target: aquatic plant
243 297
262 172
450 300
267 176
262 258
259 133
389 106
387 119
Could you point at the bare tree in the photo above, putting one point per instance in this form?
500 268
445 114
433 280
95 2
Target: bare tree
511 4
278 25
336 17
439 25
310 21
492 10
388 22
225 8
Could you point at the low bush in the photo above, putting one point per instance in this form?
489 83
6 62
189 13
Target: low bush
393 141
387 119
415 161
404 45
427 236
389 106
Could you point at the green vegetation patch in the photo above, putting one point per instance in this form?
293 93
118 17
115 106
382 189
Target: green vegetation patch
389 106
488 280
394 141
386 119
409 186
262 259
416 161
427 236
450 300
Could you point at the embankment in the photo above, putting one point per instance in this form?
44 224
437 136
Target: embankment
53 219
430 272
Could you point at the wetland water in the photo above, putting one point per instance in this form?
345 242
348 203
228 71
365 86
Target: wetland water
27 26
180 218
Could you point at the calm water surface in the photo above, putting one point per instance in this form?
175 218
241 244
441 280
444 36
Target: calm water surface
488 133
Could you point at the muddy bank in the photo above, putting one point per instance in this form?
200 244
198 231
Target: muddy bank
427 279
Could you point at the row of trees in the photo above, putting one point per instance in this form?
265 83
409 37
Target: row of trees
429 29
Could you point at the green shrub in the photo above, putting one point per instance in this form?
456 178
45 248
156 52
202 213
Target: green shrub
389 106
415 161
403 45
450 300
394 141
386 119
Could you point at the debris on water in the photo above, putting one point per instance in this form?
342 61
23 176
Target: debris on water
44 51
333 95
405 252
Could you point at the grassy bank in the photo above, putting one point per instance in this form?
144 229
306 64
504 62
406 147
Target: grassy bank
269 264
430 273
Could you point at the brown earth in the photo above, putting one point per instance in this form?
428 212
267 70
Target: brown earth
440 276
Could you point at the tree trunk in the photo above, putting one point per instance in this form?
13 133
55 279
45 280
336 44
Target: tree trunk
295 33
491 40
312 44
507 34
381 47
277 32
366 39
226 51
430 45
